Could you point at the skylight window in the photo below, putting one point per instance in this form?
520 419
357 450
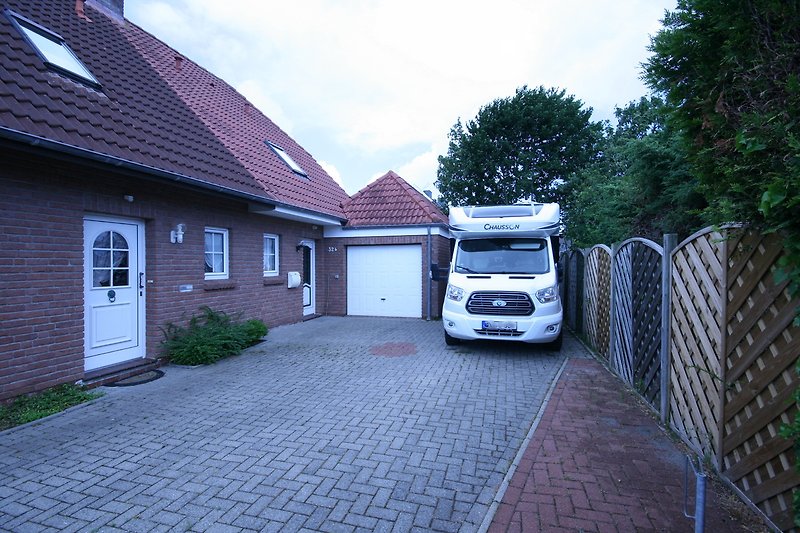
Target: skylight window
53 50
287 159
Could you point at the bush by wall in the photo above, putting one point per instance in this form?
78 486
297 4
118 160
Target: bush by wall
210 336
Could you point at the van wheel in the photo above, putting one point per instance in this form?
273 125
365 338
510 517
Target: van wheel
451 341
555 346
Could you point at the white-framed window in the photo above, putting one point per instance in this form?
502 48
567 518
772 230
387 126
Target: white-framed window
216 253
291 163
53 49
271 254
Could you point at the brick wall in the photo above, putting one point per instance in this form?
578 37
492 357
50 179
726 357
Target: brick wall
42 205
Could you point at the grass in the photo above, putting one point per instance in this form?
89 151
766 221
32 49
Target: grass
29 408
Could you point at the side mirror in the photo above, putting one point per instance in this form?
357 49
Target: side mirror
439 273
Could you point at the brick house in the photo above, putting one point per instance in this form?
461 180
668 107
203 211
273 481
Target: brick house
135 187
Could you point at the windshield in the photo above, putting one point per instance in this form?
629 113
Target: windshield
502 256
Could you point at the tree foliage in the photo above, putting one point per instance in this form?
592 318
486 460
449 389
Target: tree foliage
517 147
639 185
730 72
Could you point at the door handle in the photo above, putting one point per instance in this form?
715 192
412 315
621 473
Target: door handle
141 280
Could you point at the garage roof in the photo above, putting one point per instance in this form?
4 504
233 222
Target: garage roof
391 201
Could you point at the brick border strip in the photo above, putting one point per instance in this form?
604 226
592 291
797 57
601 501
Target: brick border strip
501 491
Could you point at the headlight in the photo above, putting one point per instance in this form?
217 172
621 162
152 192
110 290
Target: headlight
550 294
455 293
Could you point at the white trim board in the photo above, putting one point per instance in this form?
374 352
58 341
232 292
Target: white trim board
331 232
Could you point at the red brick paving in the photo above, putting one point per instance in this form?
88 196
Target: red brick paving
599 462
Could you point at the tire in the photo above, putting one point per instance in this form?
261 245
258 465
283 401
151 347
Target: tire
555 346
451 341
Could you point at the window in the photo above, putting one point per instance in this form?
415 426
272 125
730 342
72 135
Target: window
53 50
286 159
502 256
110 260
216 253
271 249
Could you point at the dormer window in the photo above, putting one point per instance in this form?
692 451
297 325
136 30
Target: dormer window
297 169
53 50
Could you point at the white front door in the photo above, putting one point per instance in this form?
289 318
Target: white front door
113 291
309 296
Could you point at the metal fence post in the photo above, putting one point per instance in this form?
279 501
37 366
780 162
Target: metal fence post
670 241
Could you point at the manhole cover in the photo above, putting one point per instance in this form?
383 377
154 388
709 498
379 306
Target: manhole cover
394 349
146 377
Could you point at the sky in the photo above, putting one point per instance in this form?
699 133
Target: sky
368 86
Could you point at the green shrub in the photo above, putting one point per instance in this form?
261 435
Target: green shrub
209 337
254 330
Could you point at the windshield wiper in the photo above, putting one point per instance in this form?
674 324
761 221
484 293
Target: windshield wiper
467 270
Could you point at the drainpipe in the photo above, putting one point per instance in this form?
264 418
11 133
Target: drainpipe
428 277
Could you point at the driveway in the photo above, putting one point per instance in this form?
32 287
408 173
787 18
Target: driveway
336 424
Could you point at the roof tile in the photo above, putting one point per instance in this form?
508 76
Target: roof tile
391 201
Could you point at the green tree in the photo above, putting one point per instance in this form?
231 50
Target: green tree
517 147
730 72
639 186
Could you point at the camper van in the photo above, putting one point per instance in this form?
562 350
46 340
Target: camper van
503 279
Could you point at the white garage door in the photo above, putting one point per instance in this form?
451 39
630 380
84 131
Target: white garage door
384 280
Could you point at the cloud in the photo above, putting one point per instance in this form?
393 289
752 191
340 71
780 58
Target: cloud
333 172
373 79
256 94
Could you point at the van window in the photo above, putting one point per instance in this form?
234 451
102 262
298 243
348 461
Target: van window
502 256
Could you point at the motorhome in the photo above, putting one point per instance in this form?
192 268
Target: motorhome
503 278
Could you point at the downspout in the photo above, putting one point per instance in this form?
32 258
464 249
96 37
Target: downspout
428 277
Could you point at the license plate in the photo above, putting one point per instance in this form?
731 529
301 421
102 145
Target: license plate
498 325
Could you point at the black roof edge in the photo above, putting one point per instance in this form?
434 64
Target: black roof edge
98 157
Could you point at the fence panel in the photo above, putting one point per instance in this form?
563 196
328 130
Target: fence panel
696 342
597 294
646 287
573 288
762 347
621 354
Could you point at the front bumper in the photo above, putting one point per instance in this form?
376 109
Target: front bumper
537 328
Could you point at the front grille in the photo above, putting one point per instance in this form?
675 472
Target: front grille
484 303
499 333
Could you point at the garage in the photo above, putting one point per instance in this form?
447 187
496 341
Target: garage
384 280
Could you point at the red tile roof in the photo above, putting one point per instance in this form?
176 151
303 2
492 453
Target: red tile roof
243 129
391 201
185 122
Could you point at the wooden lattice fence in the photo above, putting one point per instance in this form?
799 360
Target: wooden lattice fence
697 378
573 267
597 298
761 349
636 332
726 379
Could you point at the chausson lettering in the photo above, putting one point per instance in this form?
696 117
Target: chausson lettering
501 226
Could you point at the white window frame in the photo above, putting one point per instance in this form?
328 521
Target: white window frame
291 163
53 49
277 247
225 257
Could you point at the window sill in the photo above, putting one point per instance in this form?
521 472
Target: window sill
273 280
219 284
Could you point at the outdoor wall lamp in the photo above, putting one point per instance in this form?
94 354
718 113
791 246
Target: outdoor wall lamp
176 235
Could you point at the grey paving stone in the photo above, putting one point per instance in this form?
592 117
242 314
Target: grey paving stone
308 429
